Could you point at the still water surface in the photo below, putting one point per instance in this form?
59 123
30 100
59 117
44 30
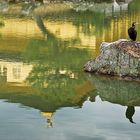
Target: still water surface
44 92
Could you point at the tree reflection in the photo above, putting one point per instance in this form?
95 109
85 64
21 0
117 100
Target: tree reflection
56 79
49 100
118 92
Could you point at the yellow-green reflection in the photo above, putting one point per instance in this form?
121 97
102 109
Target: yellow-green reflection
55 48
47 91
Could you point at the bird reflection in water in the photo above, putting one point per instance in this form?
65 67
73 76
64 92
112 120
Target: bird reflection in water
130 111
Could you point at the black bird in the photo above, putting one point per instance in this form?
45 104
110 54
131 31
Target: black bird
132 32
130 111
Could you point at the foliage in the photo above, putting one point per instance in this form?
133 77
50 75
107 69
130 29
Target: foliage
2 23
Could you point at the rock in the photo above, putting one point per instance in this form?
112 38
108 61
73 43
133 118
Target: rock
121 58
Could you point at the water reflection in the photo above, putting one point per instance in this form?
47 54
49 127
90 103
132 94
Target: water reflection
49 96
41 61
45 89
98 25
87 29
130 111
14 72
118 92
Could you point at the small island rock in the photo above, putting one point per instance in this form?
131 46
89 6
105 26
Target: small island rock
121 58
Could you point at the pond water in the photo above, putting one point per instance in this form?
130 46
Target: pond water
44 93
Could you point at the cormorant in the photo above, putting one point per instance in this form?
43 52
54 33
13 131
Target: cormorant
132 32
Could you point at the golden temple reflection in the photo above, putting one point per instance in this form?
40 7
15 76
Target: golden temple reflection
63 30
88 41
48 116
16 72
20 28
43 52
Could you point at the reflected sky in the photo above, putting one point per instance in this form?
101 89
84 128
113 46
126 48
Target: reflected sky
100 120
44 92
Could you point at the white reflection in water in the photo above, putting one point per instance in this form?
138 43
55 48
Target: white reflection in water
14 71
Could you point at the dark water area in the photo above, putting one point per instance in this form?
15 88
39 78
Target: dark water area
44 93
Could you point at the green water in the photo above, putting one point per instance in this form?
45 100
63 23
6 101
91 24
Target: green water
44 93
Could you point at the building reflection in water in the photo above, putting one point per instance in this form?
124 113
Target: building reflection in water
3 74
47 101
51 99
14 72
49 117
